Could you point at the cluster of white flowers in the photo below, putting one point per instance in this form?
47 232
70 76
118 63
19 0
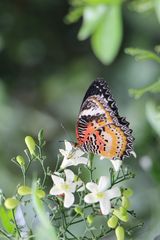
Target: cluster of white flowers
101 192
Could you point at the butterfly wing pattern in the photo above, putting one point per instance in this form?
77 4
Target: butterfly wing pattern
100 129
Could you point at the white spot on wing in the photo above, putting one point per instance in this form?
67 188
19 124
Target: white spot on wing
92 112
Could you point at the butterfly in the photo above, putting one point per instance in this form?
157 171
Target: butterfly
100 129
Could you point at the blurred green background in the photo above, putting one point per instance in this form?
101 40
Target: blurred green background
44 73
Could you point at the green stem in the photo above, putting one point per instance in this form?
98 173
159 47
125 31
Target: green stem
71 221
104 233
5 234
87 228
71 234
26 170
44 172
40 158
57 163
90 168
16 226
121 180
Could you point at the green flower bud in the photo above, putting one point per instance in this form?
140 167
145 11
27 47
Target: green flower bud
40 193
112 221
120 214
90 219
40 135
120 234
123 211
20 160
78 210
11 203
127 192
125 202
76 178
30 144
24 190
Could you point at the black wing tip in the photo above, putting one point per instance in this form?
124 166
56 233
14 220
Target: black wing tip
99 80
95 86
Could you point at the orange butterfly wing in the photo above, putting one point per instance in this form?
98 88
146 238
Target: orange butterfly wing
100 129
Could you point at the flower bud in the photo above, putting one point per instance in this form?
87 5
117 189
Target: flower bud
90 219
30 144
123 217
40 135
40 193
24 190
78 210
11 203
76 178
125 202
120 234
127 192
123 211
20 160
112 221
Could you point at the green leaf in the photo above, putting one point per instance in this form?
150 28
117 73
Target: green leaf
107 38
6 219
45 230
92 16
141 54
153 116
153 88
141 6
157 8
78 3
73 15
98 2
157 49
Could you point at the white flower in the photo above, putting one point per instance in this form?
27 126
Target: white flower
99 193
72 156
116 164
67 187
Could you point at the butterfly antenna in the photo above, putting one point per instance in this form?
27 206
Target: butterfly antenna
67 134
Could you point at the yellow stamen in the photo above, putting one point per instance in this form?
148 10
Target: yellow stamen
100 195
65 186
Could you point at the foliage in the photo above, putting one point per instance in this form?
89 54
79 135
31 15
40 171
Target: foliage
43 68
152 88
141 54
152 111
52 218
102 22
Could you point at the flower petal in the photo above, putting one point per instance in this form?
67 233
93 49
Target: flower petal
63 152
105 206
68 146
79 153
103 183
113 192
57 180
90 198
66 163
82 160
116 164
55 190
72 187
69 175
68 200
92 187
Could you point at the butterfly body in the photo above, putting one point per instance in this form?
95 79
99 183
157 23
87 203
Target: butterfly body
100 129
